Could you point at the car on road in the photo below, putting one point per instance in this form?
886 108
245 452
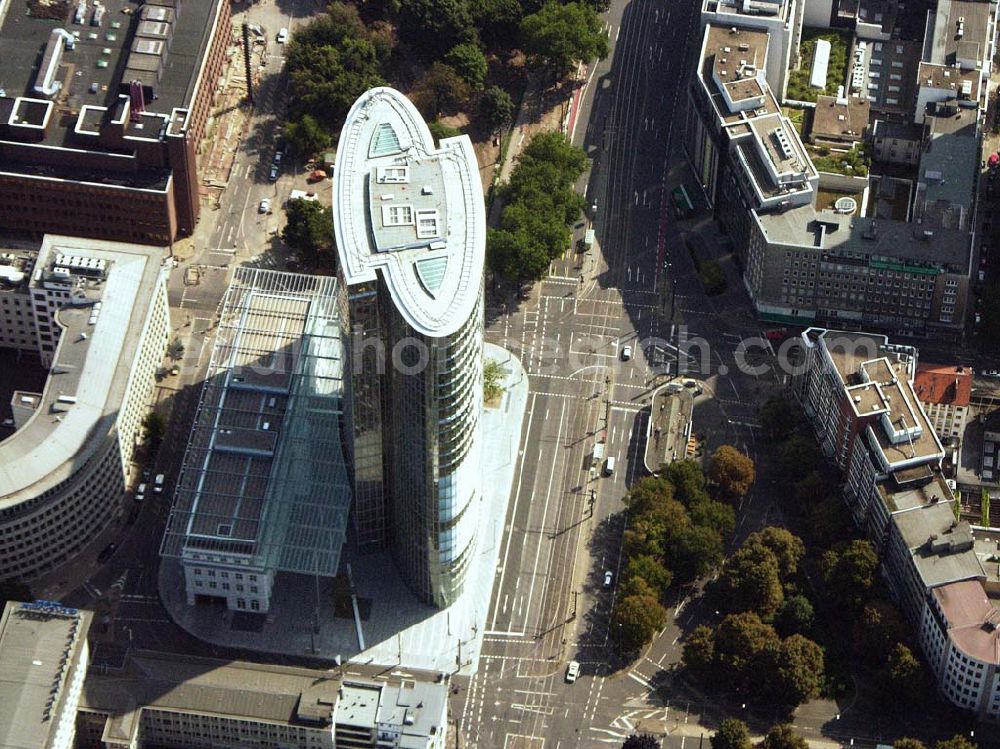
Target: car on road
158 483
273 175
277 157
593 209
609 466
282 35
264 207
140 493
105 555
572 671
626 353
608 577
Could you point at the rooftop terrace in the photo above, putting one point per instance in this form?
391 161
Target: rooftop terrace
409 211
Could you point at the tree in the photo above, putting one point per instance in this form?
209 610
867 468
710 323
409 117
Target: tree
789 672
798 457
958 741
635 620
444 89
783 737
908 743
751 581
646 567
330 62
694 551
903 676
732 734
718 516
309 229
306 136
562 36
698 655
829 521
154 426
796 616
732 471
879 627
432 25
641 741
778 417
176 350
496 108
498 21
515 255
688 479
492 377
787 547
468 60
739 638
849 572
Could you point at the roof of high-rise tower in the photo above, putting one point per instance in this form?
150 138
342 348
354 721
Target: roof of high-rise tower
410 210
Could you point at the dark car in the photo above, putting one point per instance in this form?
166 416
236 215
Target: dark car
106 554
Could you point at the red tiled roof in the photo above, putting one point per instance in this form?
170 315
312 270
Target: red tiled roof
948 385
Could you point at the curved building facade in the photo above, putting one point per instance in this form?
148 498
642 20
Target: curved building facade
101 320
410 228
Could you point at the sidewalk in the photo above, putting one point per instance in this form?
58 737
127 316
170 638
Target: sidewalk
398 628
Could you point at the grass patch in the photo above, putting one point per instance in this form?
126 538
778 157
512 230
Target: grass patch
801 119
836 72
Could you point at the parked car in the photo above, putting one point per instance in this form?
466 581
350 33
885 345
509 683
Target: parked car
140 493
273 176
608 577
609 466
277 157
264 207
282 35
626 353
572 671
158 483
316 175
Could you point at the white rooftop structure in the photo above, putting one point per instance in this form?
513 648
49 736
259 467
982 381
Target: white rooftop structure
91 364
821 62
411 209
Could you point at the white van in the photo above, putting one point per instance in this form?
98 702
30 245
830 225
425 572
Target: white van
609 466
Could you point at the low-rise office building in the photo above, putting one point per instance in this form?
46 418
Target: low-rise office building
945 392
263 487
857 391
101 326
102 110
43 662
178 702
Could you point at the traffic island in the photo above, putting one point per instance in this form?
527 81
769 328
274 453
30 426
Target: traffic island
668 428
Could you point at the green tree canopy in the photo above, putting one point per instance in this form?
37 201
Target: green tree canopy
698 655
903 676
778 417
516 255
718 516
306 136
783 737
829 521
498 21
562 36
958 741
908 743
330 62
433 25
739 638
849 573
693 551
635 620
309 229
732 471
788 548
443 89
648 568
688 479
641 741
496 108
878 628
469 62
799 457
796 616
732 734
440 130
789 672
751 581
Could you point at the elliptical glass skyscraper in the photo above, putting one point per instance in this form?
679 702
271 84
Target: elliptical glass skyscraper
410 227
